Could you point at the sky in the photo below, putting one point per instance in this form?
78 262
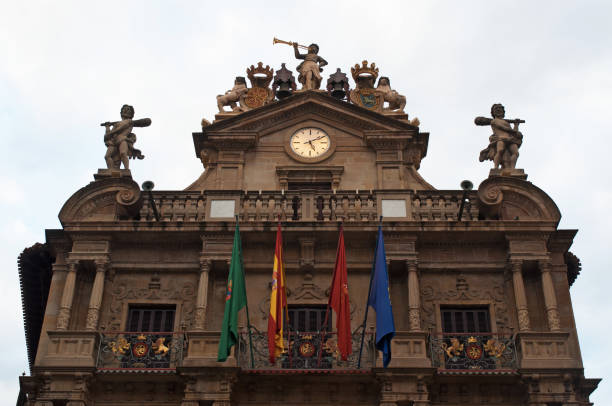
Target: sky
67 66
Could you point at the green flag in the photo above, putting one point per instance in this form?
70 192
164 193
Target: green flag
235 299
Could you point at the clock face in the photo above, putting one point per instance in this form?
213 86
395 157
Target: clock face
310 142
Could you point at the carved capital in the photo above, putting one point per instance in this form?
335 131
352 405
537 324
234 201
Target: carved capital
545 265
412 265
72 265
205 264
516 265
101 265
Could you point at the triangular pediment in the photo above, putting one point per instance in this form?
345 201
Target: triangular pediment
250 150
306 105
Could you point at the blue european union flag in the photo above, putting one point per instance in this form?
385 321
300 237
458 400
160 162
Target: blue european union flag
380 301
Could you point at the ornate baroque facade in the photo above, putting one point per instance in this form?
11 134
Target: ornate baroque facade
136 282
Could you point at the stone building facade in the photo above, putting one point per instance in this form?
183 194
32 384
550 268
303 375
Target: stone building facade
482 304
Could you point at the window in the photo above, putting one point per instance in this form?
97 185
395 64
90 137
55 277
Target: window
149 319
308 319
465 320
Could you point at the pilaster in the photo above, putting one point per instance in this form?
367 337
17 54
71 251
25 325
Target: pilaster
519 294
95 301
63 318
202 296
550 297
414 298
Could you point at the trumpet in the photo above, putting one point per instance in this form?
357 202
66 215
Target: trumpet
280 41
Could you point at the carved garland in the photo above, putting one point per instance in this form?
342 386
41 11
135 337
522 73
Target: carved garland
168 292
496 295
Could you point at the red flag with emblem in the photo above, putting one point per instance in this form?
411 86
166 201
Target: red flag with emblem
339 300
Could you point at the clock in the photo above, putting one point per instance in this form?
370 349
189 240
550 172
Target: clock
310 142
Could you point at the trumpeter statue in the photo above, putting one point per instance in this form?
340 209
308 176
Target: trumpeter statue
310 70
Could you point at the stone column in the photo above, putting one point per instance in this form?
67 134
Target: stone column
519 294
550 297
95 301
414 296
63 318
202 297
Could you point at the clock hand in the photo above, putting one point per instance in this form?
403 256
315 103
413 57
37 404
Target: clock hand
314 139
311 146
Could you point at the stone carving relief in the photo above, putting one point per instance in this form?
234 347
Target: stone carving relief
308 293
508 198
104 199
488 291
125 289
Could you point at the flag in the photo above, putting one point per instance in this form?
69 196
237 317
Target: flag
278 301
381 302
339 300
235 299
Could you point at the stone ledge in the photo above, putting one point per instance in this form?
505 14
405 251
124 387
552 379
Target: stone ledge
546 350
409 350
202 350
71 348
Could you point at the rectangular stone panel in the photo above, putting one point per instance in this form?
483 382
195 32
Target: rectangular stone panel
394 207
222 208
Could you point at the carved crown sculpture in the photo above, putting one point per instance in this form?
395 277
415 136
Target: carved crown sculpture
254 75
364 70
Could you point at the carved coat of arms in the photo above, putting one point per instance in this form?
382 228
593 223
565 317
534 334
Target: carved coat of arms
260 93
364 94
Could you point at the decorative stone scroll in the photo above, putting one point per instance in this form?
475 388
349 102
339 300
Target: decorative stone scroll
511 198
107 199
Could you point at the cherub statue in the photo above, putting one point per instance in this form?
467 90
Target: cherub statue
231 97
310 76
396 101
505 141
120 140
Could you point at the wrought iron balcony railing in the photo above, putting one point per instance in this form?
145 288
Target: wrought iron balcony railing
140 351
473 352
305 351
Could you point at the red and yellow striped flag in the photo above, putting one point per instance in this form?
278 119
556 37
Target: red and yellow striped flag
278 301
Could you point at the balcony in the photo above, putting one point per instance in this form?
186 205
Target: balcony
462 353
135 351
310 205
305 352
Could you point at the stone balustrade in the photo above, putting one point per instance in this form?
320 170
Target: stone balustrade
310 205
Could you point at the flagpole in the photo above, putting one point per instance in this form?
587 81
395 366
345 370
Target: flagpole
365 319
247 305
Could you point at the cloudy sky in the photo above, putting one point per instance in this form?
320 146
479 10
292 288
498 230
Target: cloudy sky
67 66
